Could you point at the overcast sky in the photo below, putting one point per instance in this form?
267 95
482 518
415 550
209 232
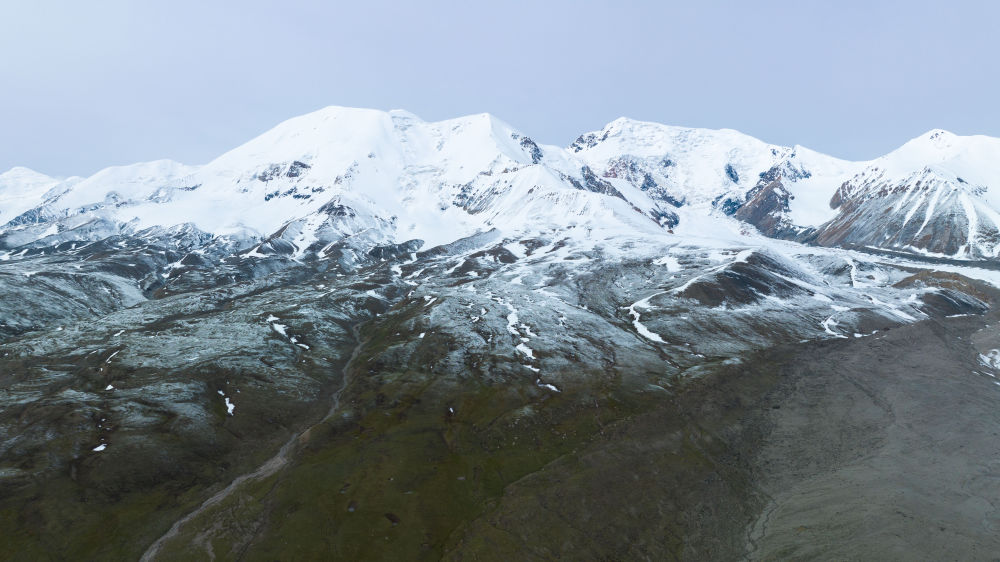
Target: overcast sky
91 84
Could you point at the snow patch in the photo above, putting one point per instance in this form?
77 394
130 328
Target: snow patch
670 262
633 310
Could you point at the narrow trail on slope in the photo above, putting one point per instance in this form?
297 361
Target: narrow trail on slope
269 467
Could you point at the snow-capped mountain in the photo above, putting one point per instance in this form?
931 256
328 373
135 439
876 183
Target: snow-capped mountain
722 170
22 189
937 194
339 172
363 321
693 166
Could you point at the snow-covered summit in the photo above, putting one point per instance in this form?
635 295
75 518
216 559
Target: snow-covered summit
939 194
407 177
974 159
21 189
340 171
697 164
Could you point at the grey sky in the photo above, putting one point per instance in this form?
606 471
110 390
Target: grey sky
84 85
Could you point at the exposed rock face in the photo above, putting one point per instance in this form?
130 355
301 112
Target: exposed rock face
922 213
767 209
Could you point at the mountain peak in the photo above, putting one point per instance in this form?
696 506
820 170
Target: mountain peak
340 111
934 139
22 173
938 133
967 156
941 140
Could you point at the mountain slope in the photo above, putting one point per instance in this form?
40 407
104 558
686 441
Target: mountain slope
364 334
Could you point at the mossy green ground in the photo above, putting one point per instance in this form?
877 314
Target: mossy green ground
416 464
399 479
424 467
